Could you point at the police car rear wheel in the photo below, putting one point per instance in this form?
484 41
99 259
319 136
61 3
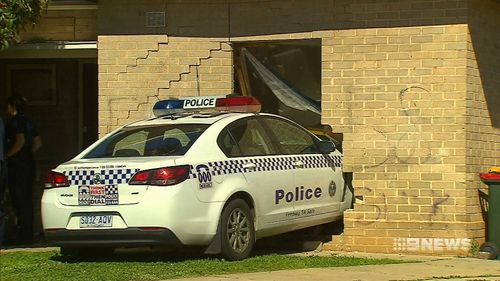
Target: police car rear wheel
238 233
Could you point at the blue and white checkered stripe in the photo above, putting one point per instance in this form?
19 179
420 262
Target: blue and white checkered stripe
270 164
109 177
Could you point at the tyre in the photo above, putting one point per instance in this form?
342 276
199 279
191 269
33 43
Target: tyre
490 248
238 231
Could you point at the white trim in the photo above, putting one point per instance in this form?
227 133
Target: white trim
86 49
60 45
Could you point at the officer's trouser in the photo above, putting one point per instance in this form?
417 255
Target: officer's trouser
20 189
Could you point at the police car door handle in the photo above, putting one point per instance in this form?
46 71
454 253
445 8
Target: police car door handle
249 166
298 164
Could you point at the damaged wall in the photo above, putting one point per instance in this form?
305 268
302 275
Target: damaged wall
137 71
409 83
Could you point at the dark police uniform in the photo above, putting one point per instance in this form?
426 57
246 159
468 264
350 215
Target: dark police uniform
20 171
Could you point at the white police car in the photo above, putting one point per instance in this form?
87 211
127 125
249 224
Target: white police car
220 179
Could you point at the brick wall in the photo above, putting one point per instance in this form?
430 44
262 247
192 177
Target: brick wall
64 25
137 71
410 84
398 94
414 103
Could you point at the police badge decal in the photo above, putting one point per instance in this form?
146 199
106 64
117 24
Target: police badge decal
332 189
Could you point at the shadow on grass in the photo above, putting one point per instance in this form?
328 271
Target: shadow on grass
159 255
288 243
134 255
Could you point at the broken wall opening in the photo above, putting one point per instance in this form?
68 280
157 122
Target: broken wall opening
284 75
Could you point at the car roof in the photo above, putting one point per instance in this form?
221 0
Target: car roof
208 119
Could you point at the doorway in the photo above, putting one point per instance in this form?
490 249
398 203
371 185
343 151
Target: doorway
285 76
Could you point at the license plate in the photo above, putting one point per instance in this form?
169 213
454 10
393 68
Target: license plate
96 221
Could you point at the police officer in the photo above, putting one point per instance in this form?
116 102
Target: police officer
22 141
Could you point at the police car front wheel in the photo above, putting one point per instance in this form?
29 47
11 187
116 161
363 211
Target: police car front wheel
238 232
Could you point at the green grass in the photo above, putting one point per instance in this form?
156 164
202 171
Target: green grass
127 266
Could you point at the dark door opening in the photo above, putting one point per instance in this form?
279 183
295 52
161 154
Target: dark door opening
284 75
89 104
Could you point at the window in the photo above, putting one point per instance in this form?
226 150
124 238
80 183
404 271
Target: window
291 138
245 138
168 140
41 89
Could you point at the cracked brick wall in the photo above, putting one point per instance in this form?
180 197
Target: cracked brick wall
137 71
411 84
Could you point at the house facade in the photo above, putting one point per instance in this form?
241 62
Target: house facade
409 86
59 59
55 68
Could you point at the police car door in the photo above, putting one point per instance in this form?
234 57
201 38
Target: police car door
318 180
245 140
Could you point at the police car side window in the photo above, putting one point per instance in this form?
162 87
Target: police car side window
229 145
245 138
291 138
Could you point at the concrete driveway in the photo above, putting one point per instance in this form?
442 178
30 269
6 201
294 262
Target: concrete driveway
427 268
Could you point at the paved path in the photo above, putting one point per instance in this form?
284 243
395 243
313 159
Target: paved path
450 269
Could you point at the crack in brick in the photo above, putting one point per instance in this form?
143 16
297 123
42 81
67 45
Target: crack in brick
181 75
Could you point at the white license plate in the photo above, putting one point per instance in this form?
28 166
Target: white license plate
96 221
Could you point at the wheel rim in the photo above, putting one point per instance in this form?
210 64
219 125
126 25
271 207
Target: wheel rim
238 230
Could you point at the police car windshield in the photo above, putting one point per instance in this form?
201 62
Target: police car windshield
158 140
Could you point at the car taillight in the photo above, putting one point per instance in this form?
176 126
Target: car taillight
56 179
141 177
162 176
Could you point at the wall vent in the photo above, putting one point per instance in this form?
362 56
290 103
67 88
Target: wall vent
155 19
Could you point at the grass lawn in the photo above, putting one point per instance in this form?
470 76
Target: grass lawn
154 266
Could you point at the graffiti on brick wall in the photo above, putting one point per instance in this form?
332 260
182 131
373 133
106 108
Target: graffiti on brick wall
382 209
405 148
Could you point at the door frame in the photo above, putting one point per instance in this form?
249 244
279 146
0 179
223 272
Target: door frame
81 62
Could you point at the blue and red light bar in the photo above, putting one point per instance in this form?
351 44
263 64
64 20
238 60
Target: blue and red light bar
207 104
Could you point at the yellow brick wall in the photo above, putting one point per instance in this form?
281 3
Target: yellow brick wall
401 79
137 71
63 25
398 95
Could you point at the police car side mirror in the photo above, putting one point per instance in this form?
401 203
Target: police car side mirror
326 147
